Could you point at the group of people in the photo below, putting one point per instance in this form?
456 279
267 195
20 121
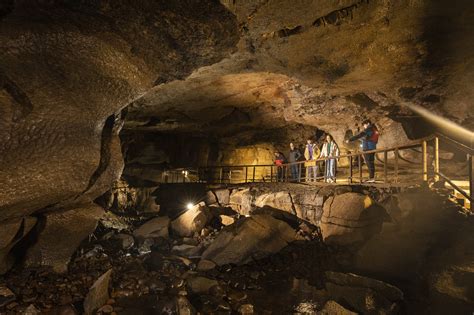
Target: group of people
329 151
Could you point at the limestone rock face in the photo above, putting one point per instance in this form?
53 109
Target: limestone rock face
61 235
68 68
11 232
351 218
192 221
252 237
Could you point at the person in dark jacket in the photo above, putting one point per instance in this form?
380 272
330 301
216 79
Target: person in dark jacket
279 161
369 137
293 157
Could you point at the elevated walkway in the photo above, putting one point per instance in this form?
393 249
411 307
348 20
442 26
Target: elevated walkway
428 161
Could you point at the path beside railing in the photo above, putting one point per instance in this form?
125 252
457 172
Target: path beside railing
410 164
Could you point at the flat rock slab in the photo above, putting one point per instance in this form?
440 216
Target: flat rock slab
62 234
249 238
156 227
98 293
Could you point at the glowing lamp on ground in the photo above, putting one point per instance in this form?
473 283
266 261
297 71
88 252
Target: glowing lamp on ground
189 206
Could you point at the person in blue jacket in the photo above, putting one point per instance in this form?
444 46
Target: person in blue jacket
369 137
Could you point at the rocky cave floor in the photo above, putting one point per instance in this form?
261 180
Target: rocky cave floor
152 275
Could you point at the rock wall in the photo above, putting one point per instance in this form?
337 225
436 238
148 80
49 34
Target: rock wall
66 70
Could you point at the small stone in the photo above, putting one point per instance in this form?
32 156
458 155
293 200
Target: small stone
246 309
201 285
107 309
226 220
31 310
125 241
205 265
237 296
333 308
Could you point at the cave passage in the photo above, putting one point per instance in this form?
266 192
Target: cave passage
236 157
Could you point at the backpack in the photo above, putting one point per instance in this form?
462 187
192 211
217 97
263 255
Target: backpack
375 135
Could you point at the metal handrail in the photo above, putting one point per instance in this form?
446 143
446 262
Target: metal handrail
225 171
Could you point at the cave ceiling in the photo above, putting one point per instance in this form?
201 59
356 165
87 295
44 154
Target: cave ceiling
326 64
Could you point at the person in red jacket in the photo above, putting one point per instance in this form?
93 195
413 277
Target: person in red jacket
279 161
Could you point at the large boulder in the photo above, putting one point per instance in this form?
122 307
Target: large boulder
308 206
192 221
351 218
279 200
62 234
365 295
156 227
242 200
249 238
11 232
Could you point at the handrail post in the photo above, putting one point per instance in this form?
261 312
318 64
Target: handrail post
436 161
299 172
385 161
253 176
471 177
271 174
220 175
425 161
350 170
246 173
396 165
360 167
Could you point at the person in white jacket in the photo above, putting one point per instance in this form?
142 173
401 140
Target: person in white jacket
330 149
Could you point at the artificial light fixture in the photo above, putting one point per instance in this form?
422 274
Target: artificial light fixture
189 206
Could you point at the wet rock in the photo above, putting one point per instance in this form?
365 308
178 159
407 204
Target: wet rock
200 285
154 228
363 294
192 221
186 250
31 310
11 232
205 265
226 220
107 309
334 308
125 241
98 293
112 221
61 236
351 218
184 307
6 296
246 309
250 238
145 246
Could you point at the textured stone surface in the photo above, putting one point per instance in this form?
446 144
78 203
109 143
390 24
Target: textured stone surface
98 293
67 68
11 232
156 227
192 221
371 57
351 218
253 237
61 235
